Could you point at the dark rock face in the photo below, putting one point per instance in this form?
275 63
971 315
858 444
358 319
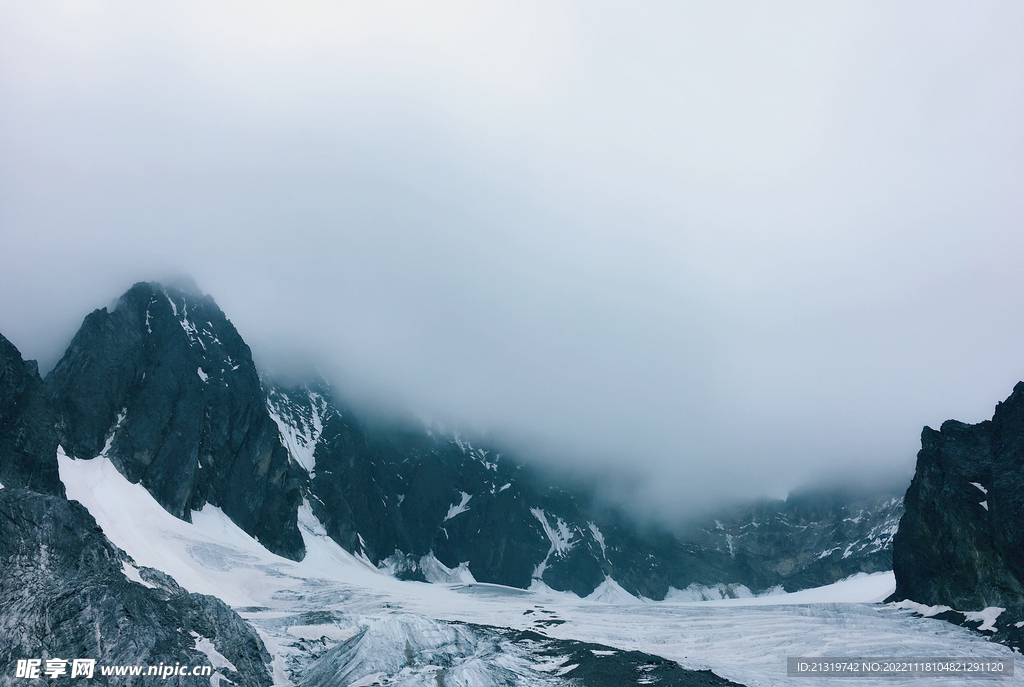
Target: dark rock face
383 491
456 505
810 539
961 541
64 595
28 443
410 497
166 388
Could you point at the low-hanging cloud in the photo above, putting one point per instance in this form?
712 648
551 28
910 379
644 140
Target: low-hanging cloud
725 249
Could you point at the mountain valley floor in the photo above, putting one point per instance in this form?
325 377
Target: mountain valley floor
333 614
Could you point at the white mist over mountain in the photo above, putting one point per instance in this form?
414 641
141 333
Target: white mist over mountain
724 250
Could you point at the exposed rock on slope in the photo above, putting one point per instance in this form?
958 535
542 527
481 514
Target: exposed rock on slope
438 506
813 538
166 388
396 491
28 444
65 590
65 594
961 541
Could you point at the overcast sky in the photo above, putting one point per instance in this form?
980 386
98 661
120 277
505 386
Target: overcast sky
728 247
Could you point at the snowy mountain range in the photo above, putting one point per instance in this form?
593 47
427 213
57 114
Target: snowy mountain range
433 505
209 503
810 539
166 388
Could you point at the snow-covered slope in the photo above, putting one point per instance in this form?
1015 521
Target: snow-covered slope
329 611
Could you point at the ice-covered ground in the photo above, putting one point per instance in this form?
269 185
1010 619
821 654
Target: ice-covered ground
304 609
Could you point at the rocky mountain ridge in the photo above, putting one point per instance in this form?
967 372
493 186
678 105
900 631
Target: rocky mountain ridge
960 544
68 593
812 538
166 388
440 506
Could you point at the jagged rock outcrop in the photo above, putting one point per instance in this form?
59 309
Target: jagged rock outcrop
166 388
28 443
961 541
65 594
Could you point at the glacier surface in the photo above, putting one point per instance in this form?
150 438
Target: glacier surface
335 614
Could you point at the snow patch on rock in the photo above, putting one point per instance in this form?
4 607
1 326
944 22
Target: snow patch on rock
299 433
987 618
132 573
600 539
561 538
217 659
460 507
